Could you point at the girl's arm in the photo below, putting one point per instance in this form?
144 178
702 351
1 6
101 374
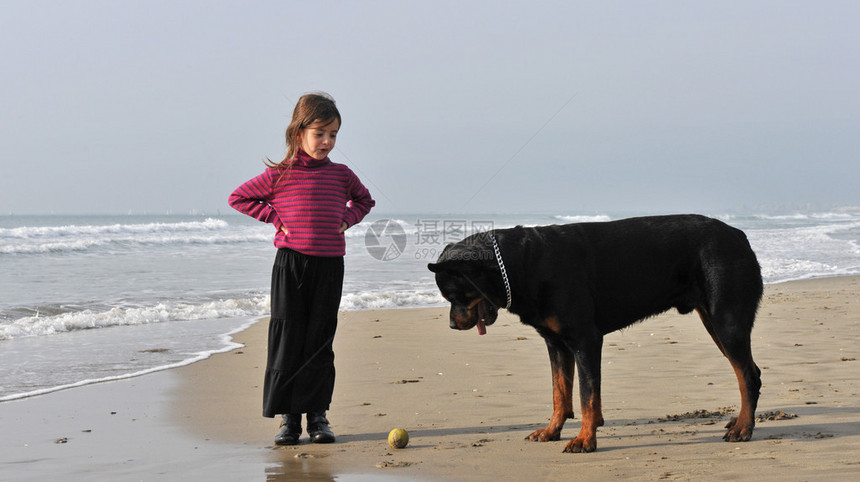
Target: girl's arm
360 201
253 198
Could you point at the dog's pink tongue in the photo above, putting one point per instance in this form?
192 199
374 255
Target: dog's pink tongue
482 328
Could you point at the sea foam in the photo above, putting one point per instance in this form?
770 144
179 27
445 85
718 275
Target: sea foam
82 238
126 316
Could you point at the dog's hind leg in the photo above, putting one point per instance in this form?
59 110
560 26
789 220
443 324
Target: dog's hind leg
588 365
731 333
703 314
562 365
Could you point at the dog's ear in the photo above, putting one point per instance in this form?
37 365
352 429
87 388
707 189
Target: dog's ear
450 265
463 257
455 266
440 263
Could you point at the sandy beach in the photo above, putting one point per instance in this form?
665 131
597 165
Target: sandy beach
468 402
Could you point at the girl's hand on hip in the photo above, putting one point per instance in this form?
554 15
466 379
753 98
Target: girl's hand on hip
284 229
343 227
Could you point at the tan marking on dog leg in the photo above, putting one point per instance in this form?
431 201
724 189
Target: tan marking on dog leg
740 428
562 407
592 417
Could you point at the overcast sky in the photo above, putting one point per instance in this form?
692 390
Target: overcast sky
448 107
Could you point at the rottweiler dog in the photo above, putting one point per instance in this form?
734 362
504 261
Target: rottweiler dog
575 283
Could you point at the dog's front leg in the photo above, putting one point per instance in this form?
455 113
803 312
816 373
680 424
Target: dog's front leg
562 364
588 365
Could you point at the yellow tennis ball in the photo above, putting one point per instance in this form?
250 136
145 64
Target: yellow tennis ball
398 438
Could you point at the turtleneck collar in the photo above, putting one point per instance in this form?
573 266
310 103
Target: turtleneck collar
305 160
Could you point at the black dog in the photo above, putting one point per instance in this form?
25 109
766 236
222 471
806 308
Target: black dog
575 283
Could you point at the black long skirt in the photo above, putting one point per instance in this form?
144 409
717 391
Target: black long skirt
300 373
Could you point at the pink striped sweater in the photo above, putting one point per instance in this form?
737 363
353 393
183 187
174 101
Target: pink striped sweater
311 201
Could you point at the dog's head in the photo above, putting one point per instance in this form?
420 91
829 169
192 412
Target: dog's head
468 277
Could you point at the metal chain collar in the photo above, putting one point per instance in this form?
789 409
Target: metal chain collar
502 269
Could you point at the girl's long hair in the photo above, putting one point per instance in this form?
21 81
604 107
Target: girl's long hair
312 107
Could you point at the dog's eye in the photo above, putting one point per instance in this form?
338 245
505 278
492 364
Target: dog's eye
469 296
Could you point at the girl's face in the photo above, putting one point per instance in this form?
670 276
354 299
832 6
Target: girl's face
318 138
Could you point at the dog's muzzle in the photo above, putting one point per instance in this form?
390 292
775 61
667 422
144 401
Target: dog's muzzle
480 312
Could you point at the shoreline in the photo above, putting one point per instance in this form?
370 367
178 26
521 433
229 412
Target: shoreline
229 345
468 402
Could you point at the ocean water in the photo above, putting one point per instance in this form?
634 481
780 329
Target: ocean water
93 298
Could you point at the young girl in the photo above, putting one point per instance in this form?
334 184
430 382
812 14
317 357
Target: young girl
311 201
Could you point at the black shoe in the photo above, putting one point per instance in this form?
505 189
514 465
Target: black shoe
318 429
291 429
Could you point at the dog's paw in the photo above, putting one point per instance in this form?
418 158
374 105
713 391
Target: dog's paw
732 422
581 445
544 435
738 432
